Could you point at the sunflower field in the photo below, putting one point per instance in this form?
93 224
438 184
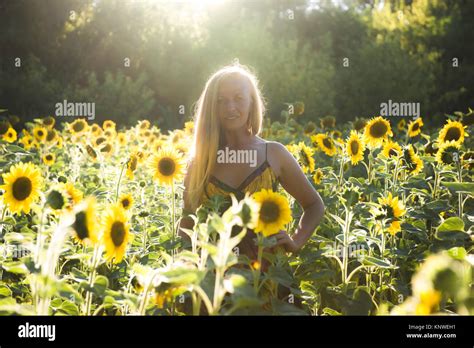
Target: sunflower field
89 215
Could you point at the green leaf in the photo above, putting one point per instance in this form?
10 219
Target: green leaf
15 267
100 285
182 276
451 229
373 261
330 311
5 291
69 308
458 253
467 187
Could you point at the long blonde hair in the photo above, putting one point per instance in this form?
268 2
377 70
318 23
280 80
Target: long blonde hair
207 130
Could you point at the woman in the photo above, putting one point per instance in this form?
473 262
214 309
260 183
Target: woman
229 115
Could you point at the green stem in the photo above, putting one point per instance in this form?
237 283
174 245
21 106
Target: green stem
173 218
259 262
95 257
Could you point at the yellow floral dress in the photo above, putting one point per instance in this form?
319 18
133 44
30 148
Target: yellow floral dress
262 177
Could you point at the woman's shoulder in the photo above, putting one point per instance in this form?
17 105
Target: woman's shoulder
275 148
276 155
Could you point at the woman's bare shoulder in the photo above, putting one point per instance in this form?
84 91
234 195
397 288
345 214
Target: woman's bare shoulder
277 155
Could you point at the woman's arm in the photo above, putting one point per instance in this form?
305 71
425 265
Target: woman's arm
296 184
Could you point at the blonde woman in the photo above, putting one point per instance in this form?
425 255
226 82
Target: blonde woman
229 118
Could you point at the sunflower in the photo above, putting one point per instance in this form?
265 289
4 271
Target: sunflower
21 187
10 135
401 124
359 124
126 201
391 149
167 166
85 226
95 129
108 124
107 149
317 177
305 155
325 143
40 133
78 127
452 131
57 198
143 124
51 135
414 127
49 122
75 195
49 159
28 141
110 133
274 212
393 210
91 152
116 233
59 142
122 139
309 128
131 166
376 131
328 122
189 127
355 147
299 108
99 140
448 153
412 161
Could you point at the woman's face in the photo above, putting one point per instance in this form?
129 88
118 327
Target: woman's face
234 102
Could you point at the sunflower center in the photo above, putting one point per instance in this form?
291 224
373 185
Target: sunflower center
269 212
378 129
304 158
106 148
390 212
327 143
166 166
392 152
453 133
117 233
49 157
132 163
78 126
415 127
56 200
125 203
354 147
51 135
80 225
22 188
40 133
